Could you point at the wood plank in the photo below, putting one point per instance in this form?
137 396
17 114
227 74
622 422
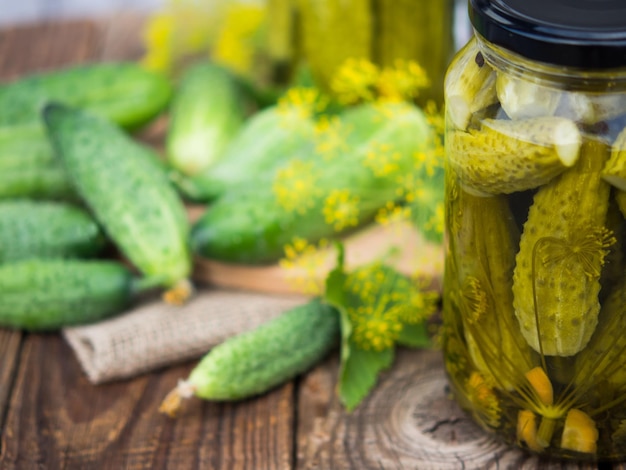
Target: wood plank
36 48
57 419
10 344
409 421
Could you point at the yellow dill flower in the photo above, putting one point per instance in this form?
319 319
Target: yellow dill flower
295 186
435 117
382 159
331 136
486 404
391 213
180 30
301 103
418 305
374 327
238 38
303 263
341 209
157 37
382 302
355 81
402 82
475 299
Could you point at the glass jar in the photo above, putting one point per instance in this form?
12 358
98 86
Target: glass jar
534 296
326 33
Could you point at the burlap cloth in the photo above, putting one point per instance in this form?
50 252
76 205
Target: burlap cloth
155 334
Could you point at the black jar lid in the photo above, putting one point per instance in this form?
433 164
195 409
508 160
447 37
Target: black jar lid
588 34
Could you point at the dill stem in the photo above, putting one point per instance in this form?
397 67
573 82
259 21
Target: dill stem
545 431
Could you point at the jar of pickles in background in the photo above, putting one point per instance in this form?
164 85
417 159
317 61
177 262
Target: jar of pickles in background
325 33
534 287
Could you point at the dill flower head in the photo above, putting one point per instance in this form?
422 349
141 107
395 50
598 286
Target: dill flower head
232 31
392 212
301 103
486 404
158 38
341 209
303 262
474 299
356 80
382 159
295 186
238 38
382 302
402 82
182 29
331 136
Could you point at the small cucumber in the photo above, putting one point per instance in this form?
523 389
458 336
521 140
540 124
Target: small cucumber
266 140
45 181
31 229
24 147
127 190
50 294
320 194
206 112
254 362
123 92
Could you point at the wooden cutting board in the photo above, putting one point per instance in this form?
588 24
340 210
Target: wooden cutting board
400 245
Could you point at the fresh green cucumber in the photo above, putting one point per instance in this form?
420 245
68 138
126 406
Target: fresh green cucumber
45 181
24 147
323 194
266 140
206 112
126 189
123 92
256 361
30 229
49 294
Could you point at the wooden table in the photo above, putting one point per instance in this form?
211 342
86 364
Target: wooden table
52 417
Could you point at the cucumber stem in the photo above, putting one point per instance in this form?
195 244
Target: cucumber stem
172 402
179 293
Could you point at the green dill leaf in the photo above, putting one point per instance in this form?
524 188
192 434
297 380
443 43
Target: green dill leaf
359 374
414 336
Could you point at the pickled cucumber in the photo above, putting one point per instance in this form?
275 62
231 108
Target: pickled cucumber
470 85
620 198
590 108
508 156
615 170
561 253
521 99
486 242
604 358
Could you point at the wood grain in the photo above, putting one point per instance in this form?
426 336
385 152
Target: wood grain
410 421
44 47
57 419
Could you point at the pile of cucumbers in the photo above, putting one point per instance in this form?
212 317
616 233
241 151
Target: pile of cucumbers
76 186
74 182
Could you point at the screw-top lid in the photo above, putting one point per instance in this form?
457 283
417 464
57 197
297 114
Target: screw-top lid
589 34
